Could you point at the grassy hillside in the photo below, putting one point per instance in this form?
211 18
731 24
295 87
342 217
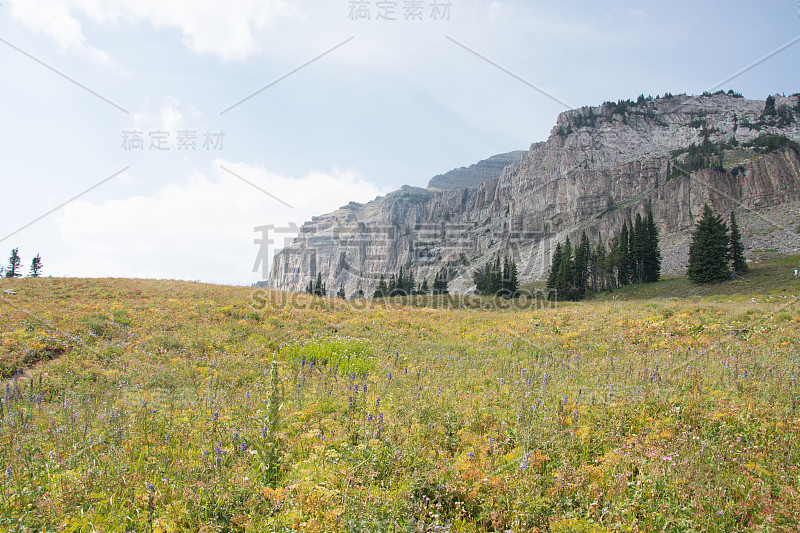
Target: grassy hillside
148 405
770 276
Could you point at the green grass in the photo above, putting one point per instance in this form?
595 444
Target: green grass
772 277
344 356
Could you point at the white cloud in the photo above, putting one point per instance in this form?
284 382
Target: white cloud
201 228
169 117
54 18
225 29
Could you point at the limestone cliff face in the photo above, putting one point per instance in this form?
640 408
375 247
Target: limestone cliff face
476 174
599 167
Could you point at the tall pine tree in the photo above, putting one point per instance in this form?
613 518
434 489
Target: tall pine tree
555 267
622 257
652 252
738 261
581 265
14 262
36 267
708 251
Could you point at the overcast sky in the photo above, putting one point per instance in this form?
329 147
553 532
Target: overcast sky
147 102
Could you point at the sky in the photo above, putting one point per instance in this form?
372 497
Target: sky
150 139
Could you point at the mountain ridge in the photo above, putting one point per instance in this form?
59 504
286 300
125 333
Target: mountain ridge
599 166
473 175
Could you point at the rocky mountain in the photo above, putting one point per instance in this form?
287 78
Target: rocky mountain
599 167
474 175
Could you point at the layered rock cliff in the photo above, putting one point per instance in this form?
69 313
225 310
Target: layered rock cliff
599 167
474 175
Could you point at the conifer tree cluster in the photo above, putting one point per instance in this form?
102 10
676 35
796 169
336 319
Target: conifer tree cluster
317 288
14 267
496 279
440 283
714 252
632 257
404 284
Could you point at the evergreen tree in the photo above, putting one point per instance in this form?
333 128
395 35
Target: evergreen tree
581 265
555 267
319 287
424 289
600 266
495 278
708 251
738 261
637 250
622 257
382 289
769 107
652 252
341 294
14 262
36 267
565 275
360 292
310 287
509 284
629 255
400 284
511 279
440 283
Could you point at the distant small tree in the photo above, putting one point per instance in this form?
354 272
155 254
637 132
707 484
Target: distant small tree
341 294
14 262
360 292
423 288
440 283
738 261
382 289
769 107
555 266
708 251
36 267
318 288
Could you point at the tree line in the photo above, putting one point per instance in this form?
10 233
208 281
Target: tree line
403 284
632 257
14 267
400 284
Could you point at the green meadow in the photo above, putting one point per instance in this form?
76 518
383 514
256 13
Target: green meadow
161 406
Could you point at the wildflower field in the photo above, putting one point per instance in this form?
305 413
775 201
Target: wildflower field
174 406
